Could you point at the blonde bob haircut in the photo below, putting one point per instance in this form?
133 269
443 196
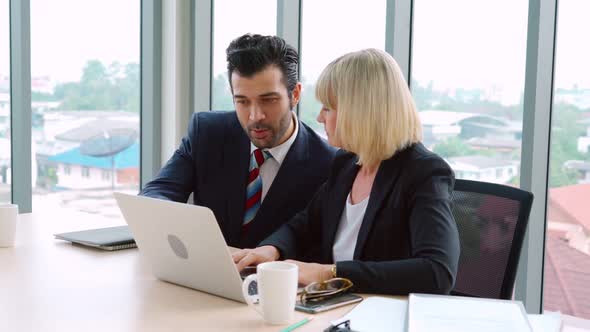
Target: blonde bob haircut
377 116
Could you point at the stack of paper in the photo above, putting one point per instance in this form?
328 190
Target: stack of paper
377 314
424 312
457 314
547 322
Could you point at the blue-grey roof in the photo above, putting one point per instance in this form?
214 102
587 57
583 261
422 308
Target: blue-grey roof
128 158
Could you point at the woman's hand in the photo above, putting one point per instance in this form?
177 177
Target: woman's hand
247 257
312 272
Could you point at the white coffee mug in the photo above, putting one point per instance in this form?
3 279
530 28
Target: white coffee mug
277 291
8 217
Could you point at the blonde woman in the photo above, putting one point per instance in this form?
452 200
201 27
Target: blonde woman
383 218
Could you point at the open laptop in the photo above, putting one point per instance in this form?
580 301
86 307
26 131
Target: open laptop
183 244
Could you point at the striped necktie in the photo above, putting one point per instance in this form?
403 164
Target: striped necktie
254 188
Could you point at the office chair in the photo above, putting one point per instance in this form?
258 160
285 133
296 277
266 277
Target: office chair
491 220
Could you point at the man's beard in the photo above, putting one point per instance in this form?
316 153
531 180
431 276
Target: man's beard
275 134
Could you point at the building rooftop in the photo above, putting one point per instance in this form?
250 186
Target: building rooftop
128 158
567 276
95 128
573 201
494 143
480 162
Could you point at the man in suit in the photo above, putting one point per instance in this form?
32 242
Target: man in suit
255 168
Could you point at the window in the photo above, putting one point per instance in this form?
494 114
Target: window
468 66
85 101
331 28
5 148
567 251
105 175
232 19
85 172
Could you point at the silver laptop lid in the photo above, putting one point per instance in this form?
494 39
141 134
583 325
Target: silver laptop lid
183 244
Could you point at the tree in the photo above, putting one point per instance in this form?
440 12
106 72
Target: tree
453 147
115 87
564 135
309 106
222 99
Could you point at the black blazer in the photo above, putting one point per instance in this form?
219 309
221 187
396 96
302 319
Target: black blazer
408 240
212 163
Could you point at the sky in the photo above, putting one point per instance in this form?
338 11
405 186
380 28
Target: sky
456 43
65 34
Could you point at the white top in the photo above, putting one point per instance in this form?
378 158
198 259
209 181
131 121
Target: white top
270 168
348 230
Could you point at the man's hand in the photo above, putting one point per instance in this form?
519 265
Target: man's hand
312 272
247 257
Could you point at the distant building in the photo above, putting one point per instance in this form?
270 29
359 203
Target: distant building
503 148
42 84
567 259
4 111
64 131
577 97
6 163
440 125
582 167
567 276
482 168
569 204
78 171
584 141
4 160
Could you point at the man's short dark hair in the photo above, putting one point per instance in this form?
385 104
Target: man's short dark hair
250 54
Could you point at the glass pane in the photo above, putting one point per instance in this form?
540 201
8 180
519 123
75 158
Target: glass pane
468 82
329 29
231 19
85 103
5 166
567 254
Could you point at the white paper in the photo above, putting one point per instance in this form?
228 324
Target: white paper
547 322
376 314
457 314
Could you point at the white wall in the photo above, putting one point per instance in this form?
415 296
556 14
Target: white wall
75 180
584 142
468 172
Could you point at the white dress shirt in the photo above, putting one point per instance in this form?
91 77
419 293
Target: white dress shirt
348 230
270 168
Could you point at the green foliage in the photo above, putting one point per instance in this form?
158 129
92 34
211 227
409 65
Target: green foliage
309 107
42 96
115 87
465 100
564 135
453 147
222 99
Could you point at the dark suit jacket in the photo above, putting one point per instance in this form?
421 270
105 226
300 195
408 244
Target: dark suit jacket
408 240
212 163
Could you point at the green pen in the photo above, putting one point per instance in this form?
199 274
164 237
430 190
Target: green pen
298 324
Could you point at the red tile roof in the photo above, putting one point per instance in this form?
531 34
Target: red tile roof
572 203
567 278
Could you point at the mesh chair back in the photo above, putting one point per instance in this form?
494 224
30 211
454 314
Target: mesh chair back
491 220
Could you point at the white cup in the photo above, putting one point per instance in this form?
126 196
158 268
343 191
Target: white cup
277 291
8 217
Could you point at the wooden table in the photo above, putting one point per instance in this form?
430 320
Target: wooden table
51 285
